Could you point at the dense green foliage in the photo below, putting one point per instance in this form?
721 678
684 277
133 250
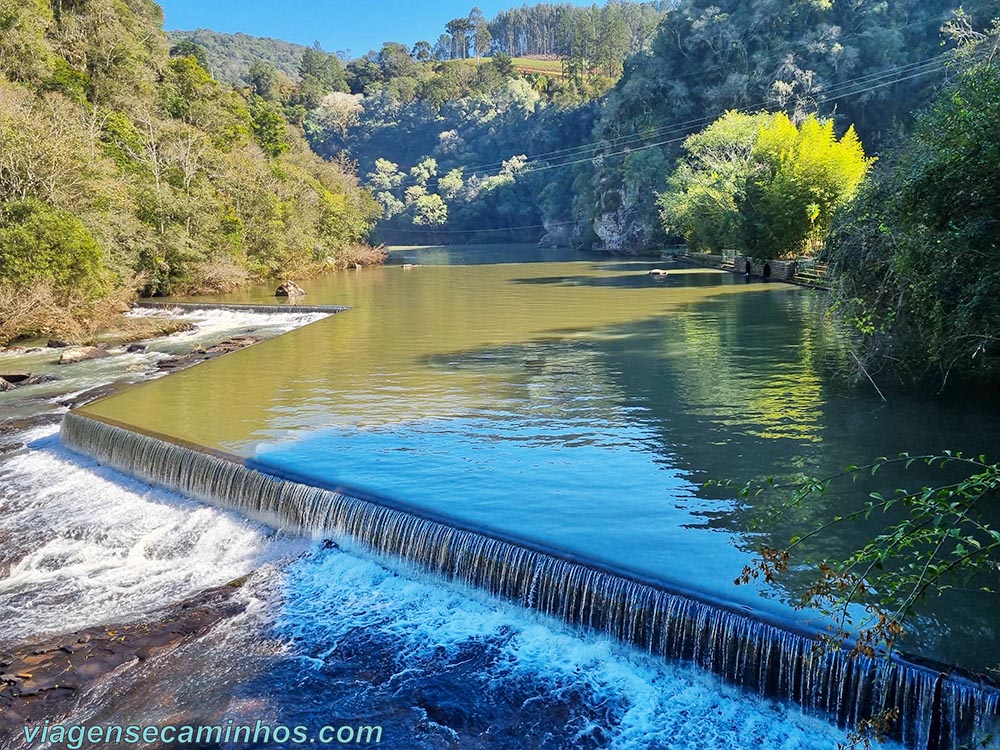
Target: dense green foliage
761 185
118 161
590 166
842 59
41 243
917 260
229 57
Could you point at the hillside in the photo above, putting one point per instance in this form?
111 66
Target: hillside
123 167
230 56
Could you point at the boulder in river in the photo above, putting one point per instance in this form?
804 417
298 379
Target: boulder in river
82 354
15 377
5 386
57 344
289 289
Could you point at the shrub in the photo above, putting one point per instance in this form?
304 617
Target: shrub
41 243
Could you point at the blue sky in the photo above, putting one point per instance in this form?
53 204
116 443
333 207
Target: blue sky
337 24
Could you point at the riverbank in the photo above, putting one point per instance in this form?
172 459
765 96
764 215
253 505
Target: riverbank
45 678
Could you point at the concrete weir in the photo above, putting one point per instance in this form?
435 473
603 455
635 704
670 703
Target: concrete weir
265 309
938 708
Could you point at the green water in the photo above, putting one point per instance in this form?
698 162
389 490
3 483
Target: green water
577 401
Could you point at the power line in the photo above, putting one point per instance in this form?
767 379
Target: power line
836 92
842 90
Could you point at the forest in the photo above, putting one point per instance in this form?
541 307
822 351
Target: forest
126 168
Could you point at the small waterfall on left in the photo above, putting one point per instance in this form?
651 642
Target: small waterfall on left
82 545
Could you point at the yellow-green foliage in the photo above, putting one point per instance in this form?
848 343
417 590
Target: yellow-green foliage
118 161
24 54
806 173
763 185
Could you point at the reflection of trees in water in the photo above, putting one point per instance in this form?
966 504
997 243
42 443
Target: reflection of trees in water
753 386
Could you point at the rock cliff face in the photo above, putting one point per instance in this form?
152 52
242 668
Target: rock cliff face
623 227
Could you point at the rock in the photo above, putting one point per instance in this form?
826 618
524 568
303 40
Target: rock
200 355
39 680
86 397
57 344
5 386
82 354
5 450
39 379
15 377
289 289
659 272
28 423
135 348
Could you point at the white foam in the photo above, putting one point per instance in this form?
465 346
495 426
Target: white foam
328 596
85 545
210 324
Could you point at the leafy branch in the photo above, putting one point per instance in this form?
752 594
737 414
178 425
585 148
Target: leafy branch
942 539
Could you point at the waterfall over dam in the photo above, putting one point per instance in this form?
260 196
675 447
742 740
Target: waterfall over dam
938 709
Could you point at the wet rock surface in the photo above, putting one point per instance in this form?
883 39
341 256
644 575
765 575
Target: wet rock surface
40 680
289 289
201 355
82 354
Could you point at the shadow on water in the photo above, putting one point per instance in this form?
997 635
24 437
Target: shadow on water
634 280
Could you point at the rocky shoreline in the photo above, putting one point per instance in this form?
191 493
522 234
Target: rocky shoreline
42 679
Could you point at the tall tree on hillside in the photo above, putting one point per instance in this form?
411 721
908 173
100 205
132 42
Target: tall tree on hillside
263 80
443 48
395 61
320 74
422 51
459 29
481 36
190 48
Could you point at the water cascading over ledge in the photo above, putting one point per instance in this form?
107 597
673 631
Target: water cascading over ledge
938 709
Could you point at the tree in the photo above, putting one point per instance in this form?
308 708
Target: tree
395 61
422 51
916 261
762 184
459 30
503 64
480 31
190 48
320 73
262 79
268 127
443 48
707 191
426 209
363 75
41 243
